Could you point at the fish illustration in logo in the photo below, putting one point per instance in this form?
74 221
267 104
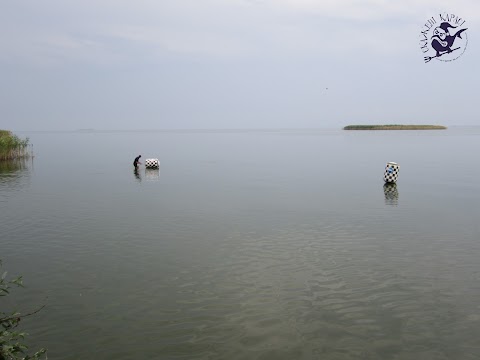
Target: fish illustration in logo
442 40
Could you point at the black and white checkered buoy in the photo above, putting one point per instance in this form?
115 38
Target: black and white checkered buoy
152 164
391 172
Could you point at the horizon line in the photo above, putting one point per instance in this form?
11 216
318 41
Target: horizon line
166 130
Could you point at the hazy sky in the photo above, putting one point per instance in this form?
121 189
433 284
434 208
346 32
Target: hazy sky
117 64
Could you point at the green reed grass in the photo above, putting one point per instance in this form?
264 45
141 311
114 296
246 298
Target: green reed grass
12 147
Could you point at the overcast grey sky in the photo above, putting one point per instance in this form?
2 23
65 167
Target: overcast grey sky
117 64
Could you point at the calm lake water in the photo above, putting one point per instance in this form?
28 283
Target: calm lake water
247 244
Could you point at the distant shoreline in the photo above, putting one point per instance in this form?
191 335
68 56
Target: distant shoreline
395 127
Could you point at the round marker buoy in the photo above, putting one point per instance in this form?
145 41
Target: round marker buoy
391 172
152 164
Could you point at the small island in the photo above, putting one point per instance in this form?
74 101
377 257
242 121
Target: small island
394 127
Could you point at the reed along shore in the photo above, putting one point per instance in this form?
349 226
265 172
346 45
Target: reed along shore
12 147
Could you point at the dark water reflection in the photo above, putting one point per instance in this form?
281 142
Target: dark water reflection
14 174
136 172
12 167
252 245
391 194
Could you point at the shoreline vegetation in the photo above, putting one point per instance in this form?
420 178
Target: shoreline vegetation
12 147
395 127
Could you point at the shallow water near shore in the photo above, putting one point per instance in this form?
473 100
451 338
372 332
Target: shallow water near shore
273 244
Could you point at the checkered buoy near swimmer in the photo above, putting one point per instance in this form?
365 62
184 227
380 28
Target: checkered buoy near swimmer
152 164
391 172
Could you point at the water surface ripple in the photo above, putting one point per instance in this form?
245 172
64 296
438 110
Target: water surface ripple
256 245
